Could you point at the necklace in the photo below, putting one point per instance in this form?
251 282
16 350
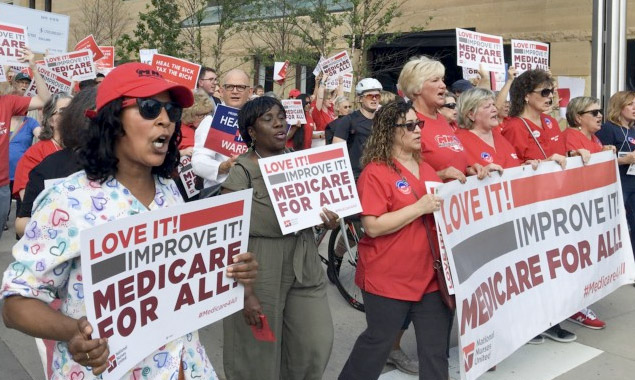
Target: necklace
58 146
257 154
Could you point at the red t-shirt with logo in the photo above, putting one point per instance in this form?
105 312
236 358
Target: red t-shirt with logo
548 136
30 159
439 145
574 139
322 118
10 105
397 265
503 153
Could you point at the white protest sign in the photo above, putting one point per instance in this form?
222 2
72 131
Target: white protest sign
569 88
76 65
529 55
280 71
294 111
443 254
186 173
46 30
531 258
145 55
338 64
318 67
334 81
469 73
156 276
3 77
54 82
12 38
498 79
301 184
474 49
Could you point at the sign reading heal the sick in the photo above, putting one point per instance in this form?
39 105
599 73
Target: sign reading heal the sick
474 49
89 43
529 55
514 251
295 112
223 136
186 173
76 65
156 276
177 70
54 82
12 39
301 184
340 63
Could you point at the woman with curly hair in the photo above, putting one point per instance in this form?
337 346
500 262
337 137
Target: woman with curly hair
395 269
127 157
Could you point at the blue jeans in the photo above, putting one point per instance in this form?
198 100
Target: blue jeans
5 206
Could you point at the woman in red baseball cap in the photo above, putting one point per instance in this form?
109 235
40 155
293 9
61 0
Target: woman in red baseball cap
128 154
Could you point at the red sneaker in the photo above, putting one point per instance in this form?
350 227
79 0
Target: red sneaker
587 318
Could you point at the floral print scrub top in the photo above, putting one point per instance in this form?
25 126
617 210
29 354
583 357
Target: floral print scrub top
48 266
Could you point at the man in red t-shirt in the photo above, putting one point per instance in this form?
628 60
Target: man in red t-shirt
12 105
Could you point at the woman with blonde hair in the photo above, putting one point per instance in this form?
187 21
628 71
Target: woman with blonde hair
192 117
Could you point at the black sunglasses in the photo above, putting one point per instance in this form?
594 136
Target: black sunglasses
595 113
150 108
449 105
412 125
545 92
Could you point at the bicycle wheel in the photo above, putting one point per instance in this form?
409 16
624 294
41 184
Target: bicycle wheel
341 268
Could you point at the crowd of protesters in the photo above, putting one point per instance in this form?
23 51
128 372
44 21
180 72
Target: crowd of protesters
122 135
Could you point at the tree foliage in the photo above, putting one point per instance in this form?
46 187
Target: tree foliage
106 20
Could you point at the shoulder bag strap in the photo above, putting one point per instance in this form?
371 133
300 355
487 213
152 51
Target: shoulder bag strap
534 137
15 133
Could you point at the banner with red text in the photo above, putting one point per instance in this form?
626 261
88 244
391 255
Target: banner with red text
529 249
177 70
156 276
474 49
54 82
529 55
107 63
186 173
89 43
76 65
295 112
12 38
334 82
338 64
302 183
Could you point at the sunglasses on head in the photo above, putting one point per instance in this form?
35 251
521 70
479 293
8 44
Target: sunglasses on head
150 108
372 96
545 92
595 112
449 105
412 125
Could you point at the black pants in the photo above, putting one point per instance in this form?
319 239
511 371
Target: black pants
385 317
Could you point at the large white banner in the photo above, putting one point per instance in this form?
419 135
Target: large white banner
46 30
156 276
529 249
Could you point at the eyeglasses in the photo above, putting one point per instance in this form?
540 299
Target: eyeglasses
412 125
595 113
372 96
237 87
449 105
347 106
545 92
150 108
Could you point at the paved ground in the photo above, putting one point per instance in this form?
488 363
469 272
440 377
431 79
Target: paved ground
606 354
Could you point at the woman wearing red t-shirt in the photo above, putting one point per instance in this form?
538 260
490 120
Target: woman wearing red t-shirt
191 119
584 115
300 136
395 269
323 111
49 143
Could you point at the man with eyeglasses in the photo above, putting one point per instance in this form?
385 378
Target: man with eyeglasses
208 81
212 166
355 127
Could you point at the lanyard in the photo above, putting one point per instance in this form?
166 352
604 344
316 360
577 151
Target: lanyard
625 132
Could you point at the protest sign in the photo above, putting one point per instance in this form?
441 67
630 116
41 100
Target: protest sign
294 110
568 88
280 71
469 73
531 248
474 49
76 65
334 81
145 55
89 43
497 79
177 70
12 38
54 82
46 30
107 62
223 136
186 173
301 184
318 67
156 276
529 55
338 64
3 77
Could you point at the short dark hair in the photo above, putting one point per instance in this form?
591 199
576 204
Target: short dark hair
87 83
101 75
523 85
251 111
259 87
97 152
74 122
204 71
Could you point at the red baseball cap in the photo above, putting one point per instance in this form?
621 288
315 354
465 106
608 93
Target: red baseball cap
138 80
294 93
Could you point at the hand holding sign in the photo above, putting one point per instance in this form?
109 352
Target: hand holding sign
86 351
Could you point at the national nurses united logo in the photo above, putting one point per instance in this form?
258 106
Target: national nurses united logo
487 157
112 363
403 186
468 356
